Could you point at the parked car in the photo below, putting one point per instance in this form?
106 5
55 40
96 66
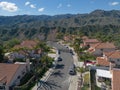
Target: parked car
59 59
71 52
72 70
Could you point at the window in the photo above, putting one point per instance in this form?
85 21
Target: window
112 61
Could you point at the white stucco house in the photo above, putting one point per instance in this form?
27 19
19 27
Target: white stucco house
11 74
26 48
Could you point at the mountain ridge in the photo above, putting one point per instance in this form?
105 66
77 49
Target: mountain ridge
30 26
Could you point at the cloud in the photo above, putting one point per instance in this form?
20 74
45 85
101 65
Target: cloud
32 6
27 3
8 6
59 6
41 9
68 5
114 3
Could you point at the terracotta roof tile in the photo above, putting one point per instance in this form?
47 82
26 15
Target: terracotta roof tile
18 46
103 45
90 50
112 54
7 71
27 44
102 61
116 79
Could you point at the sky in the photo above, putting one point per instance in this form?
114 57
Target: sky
55 7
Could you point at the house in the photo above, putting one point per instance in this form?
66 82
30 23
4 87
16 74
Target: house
67 38
102 61
98 48
113 56
88 42
30 44
19 52
116 79
11 74
108 71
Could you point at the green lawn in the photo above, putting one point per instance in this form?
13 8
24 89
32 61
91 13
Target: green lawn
86 82
86 78
85 87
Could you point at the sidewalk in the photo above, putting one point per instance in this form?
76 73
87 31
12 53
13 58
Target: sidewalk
44 78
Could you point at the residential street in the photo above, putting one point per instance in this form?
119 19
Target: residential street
60 78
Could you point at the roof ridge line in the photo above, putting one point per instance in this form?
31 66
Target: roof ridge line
98 44
111 53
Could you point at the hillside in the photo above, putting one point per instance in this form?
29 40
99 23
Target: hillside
30 26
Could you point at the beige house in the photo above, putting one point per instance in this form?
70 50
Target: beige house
68 38
11 74
21 54
88 42
110 60
98 48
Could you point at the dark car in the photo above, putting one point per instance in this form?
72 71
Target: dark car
72 70
71 52
59 59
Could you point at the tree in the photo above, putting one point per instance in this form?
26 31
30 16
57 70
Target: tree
43 46
11 43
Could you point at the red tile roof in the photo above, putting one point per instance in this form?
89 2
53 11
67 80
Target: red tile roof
112 54
27 44
116 79
90 50
102 61
103 45
7 71
68 38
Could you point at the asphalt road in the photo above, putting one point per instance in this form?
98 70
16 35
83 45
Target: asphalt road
60 78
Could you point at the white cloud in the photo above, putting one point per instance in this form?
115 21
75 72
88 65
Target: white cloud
114 3
32 6
68 5
41 9
27 3
10 7
59 6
